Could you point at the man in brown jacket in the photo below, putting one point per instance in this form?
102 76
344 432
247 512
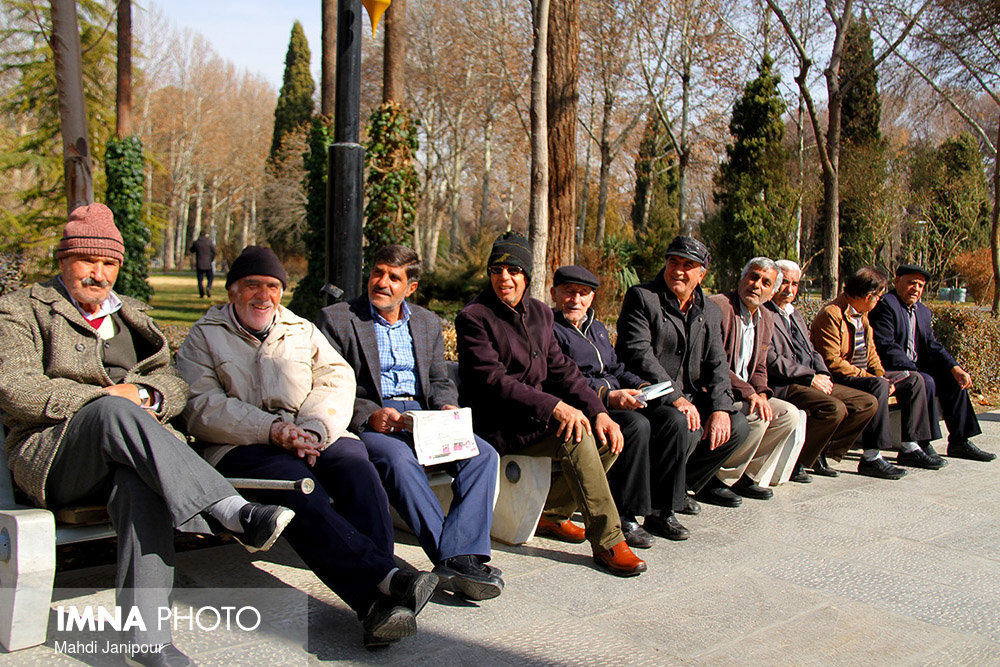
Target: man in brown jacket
86 389
842 336
746 335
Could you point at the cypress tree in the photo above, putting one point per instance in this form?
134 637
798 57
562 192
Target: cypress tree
757 203
960 206
654 207
295 101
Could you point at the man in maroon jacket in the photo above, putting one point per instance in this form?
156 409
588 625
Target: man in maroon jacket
528 397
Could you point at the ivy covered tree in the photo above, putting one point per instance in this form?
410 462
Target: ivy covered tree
124 166
392 182
866 205
757 203
308 297
295 101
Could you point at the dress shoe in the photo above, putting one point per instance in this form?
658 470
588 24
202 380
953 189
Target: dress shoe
746 487
718 494
691 506
386 622
964 449
918 458
800 475
262 524
620 561
823 469
879 468
666 526
470 578
412 588
166 656
567 531
635 535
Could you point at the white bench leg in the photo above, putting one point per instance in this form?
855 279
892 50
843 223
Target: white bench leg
524 486
27 569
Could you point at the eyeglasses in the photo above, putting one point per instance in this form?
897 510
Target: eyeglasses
498 269
875 296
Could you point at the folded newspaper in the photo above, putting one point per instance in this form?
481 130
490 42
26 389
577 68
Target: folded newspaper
441 436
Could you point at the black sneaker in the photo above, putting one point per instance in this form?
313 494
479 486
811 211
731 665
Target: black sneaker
262 524
412 588
166 656
918 458
880 468
387 622
468 577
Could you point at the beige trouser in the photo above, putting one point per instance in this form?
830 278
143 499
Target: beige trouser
764 445
582 485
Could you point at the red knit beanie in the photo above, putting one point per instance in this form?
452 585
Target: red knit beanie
91 231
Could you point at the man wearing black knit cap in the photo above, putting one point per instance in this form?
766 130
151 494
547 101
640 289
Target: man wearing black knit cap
528 398
905 341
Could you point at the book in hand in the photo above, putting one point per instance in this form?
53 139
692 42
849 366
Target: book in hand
442 436
654 391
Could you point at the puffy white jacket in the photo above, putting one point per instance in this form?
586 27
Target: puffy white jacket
240 385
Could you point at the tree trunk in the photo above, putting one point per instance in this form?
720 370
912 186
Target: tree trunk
538 208
602 181
199 198
563 51
684 150
484 199
831 199
995 231
328 59
394 55
72 107
123 99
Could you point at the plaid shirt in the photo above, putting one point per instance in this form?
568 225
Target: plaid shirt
395 355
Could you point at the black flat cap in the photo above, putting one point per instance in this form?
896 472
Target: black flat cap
576 275
907 269
685 246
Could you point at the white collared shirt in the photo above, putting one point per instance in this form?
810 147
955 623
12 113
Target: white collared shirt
745 343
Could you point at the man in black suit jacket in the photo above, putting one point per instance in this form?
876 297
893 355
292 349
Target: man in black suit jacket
397 352
905 340
837 413
668 330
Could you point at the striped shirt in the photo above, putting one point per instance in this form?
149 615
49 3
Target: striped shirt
395 355
860 356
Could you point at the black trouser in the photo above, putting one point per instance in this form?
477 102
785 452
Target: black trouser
705 461
208 275
912 399
959 415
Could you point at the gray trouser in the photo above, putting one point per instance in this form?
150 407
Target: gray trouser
114 452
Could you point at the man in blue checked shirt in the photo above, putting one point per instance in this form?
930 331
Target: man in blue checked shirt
397 352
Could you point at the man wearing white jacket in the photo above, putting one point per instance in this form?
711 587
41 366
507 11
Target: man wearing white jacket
270 398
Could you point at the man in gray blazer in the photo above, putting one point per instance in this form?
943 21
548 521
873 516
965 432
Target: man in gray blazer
797 373
397 352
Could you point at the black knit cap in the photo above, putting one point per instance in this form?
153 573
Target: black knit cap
511 249
576 275
907 269
256 260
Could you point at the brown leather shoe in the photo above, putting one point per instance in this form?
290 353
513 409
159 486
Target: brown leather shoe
567 531
619 560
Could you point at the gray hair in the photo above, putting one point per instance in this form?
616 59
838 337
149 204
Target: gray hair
765 263
787 266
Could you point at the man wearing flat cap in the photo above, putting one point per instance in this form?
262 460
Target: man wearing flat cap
647 480
669 331
271 399
905 341
528 398
86 390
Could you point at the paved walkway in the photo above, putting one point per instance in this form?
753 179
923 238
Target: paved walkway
846 571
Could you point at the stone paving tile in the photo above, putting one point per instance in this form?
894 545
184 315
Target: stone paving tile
967 651
840 632
982 538
895 591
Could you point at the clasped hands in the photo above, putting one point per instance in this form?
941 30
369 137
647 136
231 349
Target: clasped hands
295 439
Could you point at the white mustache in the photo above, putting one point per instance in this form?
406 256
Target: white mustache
90 282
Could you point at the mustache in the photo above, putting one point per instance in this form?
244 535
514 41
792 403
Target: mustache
90 282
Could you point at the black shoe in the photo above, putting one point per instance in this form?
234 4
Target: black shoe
918 458
746 487
800 475
718 495
167 656
469 578
964 449
262 524
635 535
666 526
823 469
386 622
412 588
879 468
691 506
